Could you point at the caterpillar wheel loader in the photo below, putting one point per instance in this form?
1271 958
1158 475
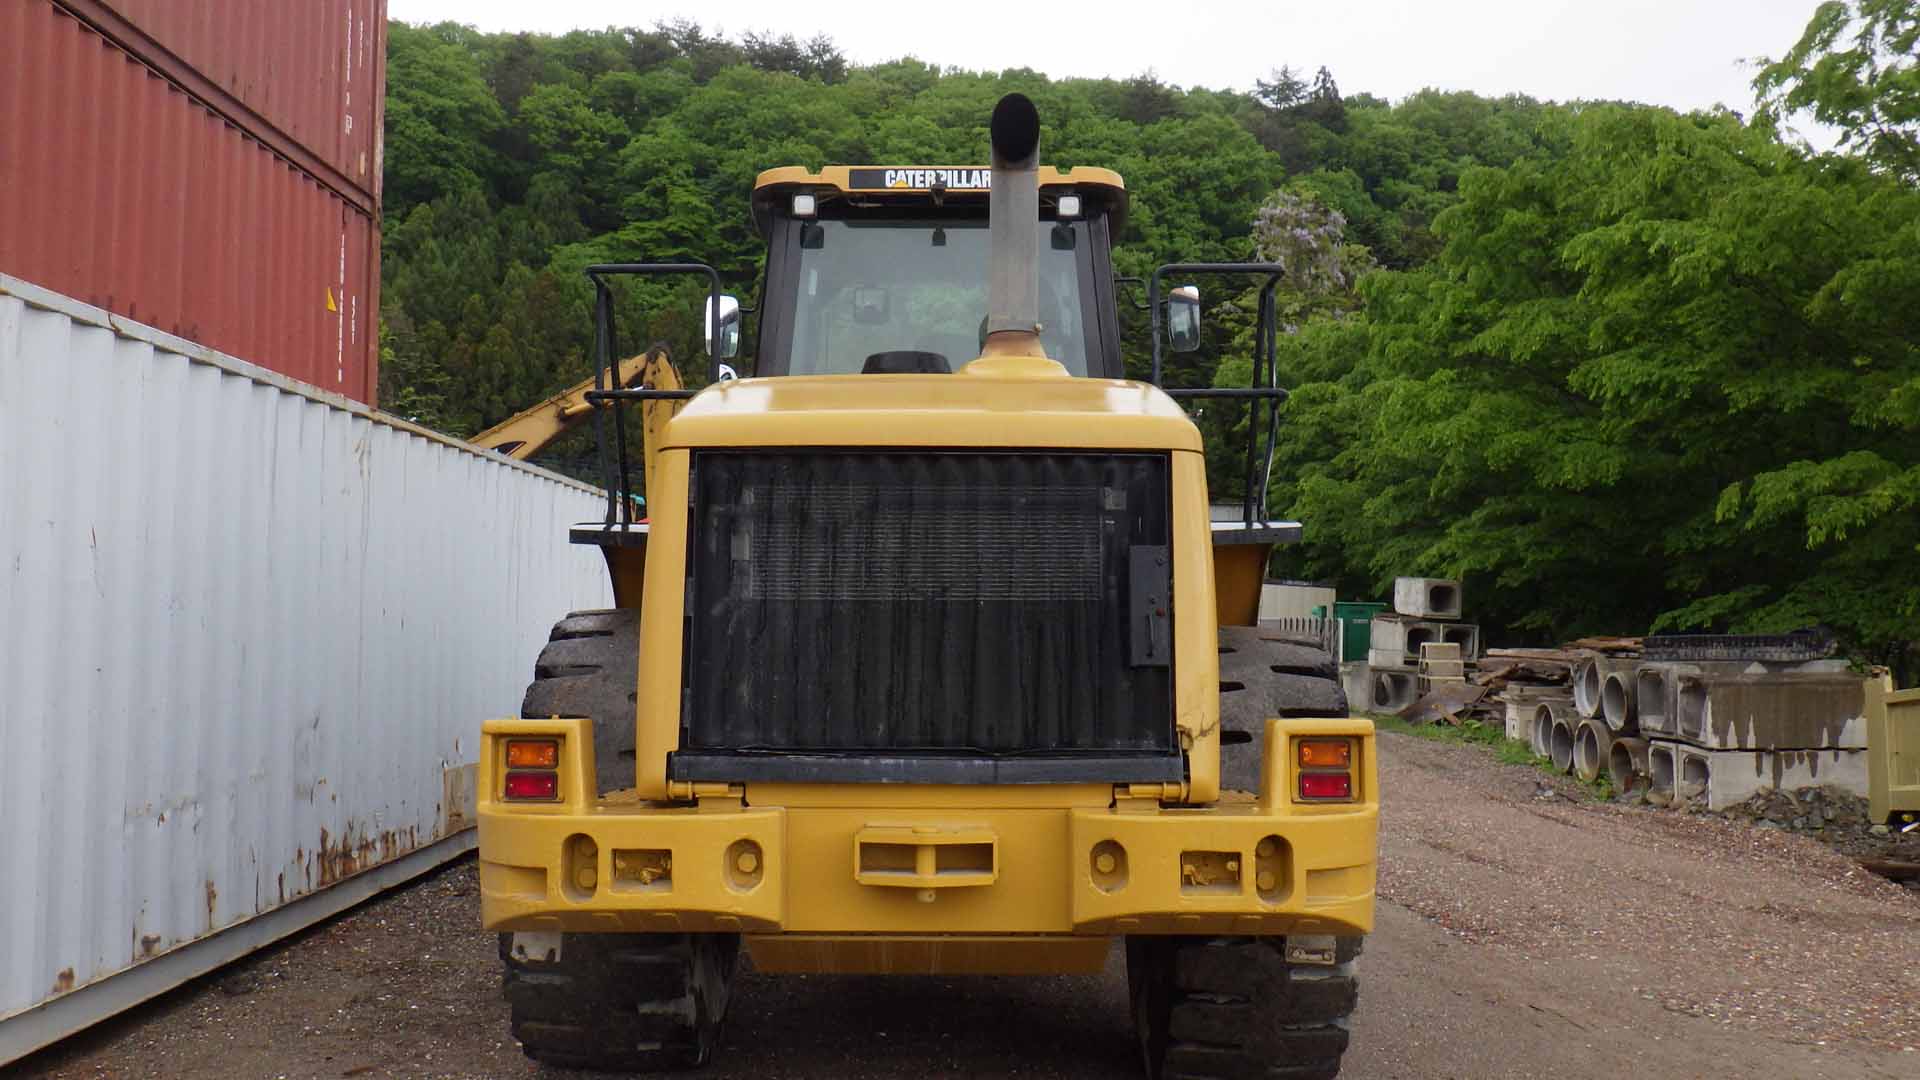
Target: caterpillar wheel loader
931 657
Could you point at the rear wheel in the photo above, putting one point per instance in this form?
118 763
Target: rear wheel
1220 1008
1263 674
591 667
628 1002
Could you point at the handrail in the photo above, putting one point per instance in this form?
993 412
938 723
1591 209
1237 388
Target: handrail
603 344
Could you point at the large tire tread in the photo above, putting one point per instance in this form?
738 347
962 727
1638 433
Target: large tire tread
1234 1009
621 1002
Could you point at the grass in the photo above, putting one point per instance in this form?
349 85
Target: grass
1494 739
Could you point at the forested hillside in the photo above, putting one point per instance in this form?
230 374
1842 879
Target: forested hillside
1617 367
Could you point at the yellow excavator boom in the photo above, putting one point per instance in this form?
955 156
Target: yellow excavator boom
529 431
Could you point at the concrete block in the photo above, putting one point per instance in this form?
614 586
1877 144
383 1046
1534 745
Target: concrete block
1654 689
1397 640
1357 680
1392 690
1662 765
1427 598
1771 711
1729 777
1519 719
1379 658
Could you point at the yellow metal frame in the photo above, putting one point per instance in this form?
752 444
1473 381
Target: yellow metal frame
1297 867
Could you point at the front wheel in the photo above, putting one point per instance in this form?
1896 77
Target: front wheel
619 1002
1219 1008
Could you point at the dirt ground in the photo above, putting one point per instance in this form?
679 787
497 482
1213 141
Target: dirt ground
1521 933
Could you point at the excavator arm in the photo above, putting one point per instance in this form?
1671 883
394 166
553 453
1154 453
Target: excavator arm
529 431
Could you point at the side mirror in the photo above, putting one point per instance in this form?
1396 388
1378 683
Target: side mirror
1183 318
728 320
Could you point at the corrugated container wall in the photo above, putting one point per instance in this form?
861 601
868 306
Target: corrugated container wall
313 71
250 636
134 183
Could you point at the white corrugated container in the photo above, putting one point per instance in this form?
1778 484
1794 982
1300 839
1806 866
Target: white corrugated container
248 632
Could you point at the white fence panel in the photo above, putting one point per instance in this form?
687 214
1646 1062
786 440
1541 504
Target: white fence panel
248 632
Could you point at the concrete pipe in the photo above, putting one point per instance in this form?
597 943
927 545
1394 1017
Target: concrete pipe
1541 732
1590 741
1627 763
1660 766
1587 679
1561 750
1617 701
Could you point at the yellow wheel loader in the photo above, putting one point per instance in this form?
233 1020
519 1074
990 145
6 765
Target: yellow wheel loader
931 657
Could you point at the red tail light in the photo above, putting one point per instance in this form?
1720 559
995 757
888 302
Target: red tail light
1326 785
533 785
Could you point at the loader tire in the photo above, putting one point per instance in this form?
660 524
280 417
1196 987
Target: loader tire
1234 1009
1261 677
591 668
622 1002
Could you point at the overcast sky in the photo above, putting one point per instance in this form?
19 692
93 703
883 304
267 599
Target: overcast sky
1683 53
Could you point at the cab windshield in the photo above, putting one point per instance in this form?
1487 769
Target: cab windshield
891 297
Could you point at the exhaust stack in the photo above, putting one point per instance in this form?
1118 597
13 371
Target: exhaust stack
1013 209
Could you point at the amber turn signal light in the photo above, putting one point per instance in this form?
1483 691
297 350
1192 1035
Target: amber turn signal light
1329 785
1325 753
533 785
534 754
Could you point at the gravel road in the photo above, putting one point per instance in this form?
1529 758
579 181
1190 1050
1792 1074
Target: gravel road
1521 933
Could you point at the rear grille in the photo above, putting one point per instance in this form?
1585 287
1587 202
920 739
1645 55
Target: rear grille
905 605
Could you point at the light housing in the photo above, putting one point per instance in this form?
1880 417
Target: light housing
804 205
1068 206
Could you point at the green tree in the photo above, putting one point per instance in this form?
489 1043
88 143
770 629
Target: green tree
1857 68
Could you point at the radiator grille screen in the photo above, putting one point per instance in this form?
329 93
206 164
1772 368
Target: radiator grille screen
938 602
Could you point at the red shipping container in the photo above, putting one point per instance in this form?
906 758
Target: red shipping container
119 188
301 74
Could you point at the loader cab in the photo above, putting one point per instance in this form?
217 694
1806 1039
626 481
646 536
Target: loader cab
883 270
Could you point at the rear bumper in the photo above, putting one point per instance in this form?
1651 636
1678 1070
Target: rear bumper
957 865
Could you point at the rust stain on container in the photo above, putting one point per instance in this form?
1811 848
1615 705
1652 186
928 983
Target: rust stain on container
131 194
63 982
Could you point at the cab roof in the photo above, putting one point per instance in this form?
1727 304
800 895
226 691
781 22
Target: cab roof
911 184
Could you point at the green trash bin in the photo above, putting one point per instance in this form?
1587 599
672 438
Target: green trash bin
1356 627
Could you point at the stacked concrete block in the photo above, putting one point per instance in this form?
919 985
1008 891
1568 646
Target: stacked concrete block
1427 598
1440 665
1393 689
1425 610
1724 730
1396 640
